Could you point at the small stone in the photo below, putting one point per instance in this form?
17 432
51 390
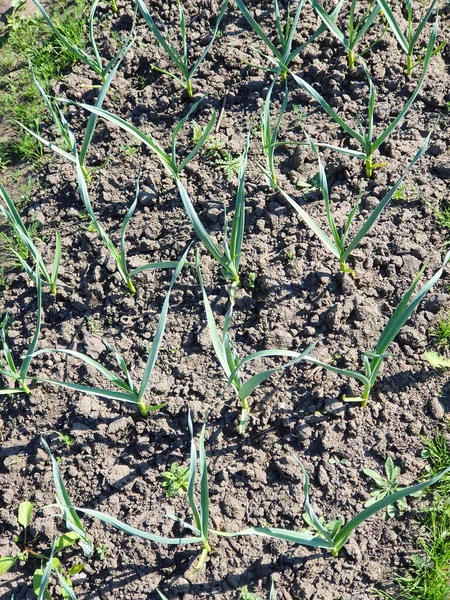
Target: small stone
436 409
353 551
84 405
118 425
119 476
94 346
334 407
323 275
322 476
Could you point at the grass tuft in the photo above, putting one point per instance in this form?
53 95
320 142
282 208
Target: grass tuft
28 40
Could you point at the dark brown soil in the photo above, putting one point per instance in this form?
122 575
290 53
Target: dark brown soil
118 458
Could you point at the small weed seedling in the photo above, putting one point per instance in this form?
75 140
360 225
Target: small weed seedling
374 360
386 486
176 480
337 244
409 41
428 575
41 576
356 29
8 367
366 137
247 595
443 216
180 59
441 332
215 149
129 392
436 360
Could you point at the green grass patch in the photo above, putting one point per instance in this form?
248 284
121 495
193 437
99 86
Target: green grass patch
442 330
429 575
28 39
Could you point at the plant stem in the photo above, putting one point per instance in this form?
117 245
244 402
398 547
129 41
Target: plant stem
25 388
86 174
346 269
244 415
201 561
365 395
369 165
144 409
189 90
409 66
131 286
351 59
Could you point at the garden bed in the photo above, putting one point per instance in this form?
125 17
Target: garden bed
293 294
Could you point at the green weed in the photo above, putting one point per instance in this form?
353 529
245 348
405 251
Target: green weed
176 480
28 41
442 330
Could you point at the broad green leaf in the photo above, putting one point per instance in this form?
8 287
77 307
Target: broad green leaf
66 540
436 360
76 569
25 512
6 563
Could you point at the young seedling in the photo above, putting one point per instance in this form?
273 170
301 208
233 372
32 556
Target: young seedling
282 51
215 149
40 272
374 360
229 360
332 535
119 254
386 486
200 513
441 331
129 391
24 515
229 256
176 480
356 29
180 59
338 243
409 41
269 136
8 367
93 61
365 138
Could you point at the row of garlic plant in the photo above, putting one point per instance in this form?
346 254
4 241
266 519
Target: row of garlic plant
319 532
229 255
322 533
